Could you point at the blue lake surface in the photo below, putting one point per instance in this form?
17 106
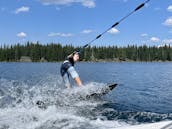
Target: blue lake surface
143 95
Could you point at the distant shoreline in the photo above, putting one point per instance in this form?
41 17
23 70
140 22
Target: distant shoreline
31 52
27 59
102 61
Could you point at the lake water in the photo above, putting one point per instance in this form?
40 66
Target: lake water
144 95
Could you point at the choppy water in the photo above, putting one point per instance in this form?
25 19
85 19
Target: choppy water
142 96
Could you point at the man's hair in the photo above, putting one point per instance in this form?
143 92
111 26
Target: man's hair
71 55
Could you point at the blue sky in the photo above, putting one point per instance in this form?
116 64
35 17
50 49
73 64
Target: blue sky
77 22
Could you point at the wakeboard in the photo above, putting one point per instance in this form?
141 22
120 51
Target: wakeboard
105 90
96 94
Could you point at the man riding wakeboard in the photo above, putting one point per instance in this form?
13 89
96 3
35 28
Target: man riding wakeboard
67 69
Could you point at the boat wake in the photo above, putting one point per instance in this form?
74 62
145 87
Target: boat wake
65 108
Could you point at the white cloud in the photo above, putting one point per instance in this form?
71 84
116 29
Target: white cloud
21 35
125 0
165 44
167 41
57 2
89 3
86 3
58 9
169 8
168 21
155 39
113 31
60 34
3 9
144 35
157 8
22 9
120 1
86 31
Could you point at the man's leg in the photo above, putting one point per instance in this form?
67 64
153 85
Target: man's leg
66 81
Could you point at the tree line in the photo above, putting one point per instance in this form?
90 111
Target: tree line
57 52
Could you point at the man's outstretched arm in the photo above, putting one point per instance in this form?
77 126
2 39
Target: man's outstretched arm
75 75
78 81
